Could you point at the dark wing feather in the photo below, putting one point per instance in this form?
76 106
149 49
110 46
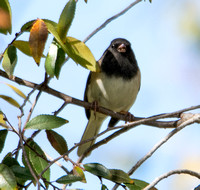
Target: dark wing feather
87 111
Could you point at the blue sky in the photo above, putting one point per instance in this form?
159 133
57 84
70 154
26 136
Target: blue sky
169 63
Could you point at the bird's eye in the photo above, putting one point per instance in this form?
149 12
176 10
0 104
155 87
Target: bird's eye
113 45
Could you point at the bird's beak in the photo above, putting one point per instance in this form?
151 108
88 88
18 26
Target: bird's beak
121 48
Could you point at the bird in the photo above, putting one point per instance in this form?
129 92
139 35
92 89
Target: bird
115 87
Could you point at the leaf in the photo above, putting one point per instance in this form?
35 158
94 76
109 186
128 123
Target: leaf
37 162
2 120
37 39
68 179
81 54
16 90
3 135
27 26
53 30
75 49
79 172
5 15
10 161
23 46
97 169
138 185
66 19
50 62
103 187
119 176
22 172
8 181
55 59
10 100
57 142
45 122
10 60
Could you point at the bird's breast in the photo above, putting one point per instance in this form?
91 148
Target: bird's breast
112 92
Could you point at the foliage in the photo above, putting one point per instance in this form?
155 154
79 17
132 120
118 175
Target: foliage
35 167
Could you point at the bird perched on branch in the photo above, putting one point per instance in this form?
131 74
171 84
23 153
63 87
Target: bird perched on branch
115 87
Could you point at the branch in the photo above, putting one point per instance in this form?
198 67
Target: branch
68 99
181 171
186 119
111 19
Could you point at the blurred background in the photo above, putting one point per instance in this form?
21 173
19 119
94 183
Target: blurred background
165 37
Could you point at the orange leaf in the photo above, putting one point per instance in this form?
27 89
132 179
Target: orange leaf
37 39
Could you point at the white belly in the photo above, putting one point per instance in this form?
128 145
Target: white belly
113 93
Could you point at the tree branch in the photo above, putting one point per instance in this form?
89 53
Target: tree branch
186 119
181 171
111 19
68 99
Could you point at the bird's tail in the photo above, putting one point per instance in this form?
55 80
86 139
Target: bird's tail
91 130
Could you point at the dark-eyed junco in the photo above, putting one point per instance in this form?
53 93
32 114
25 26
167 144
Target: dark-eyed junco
115 87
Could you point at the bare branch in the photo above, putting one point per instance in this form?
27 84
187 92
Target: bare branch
68 99
186 119
181 171
111 19
194 118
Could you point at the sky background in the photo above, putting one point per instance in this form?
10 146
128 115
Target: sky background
165 36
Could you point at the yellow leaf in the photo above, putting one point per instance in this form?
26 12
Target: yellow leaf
81 54
37 39
10 100
16 90
2 118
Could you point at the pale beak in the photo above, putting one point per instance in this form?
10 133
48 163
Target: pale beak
121 48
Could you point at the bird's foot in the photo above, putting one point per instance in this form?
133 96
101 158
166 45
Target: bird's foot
128 116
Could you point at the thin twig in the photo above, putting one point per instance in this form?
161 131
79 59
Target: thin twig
111 19
193 118
180 171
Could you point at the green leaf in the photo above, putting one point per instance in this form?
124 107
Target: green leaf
57 142
104 187
138 185
23 46
68 179
9 160
22 172
55 59
66 19
10 60
3 135
119 176
7 177
45 122
10 100
59 61
76 50
5 15
16 90
81 54
53 30
37 159
27 26
50 62
97 169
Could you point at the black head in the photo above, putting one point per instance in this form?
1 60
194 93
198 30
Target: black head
119 60
121 45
